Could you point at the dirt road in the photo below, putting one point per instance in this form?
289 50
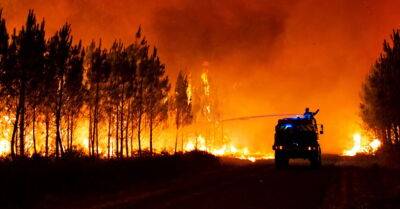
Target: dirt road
337 184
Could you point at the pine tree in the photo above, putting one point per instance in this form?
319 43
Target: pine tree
4 68
98 75
182 104
141 48
380 97
65 62
30 49
4 38
74 90
156 94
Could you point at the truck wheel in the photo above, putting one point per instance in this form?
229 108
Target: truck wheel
281 161
315 160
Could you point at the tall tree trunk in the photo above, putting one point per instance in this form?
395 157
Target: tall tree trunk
132 131
33 131
176 139
116 133
22 124
396 134
47 121
122 122
96 118
131 145
59 147
109 135
126 133
151 134
71 135
389 134
14 133
93 133
122 132
68 131
96 135
382 133
139 131
90 132
17 143
140 109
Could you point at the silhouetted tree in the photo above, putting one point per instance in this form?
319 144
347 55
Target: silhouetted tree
142 50
35 93
51 82
122 89
74 90
380 93
4 46
7 54
30 50
49 90
156 94
98 74
66 60
182 104
118 61
4 38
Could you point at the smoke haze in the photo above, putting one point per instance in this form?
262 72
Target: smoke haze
262 56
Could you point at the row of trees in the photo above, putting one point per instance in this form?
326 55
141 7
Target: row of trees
381 93
55 82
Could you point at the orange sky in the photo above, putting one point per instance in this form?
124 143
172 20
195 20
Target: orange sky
264 56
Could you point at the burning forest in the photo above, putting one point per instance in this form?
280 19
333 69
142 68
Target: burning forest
214 44
199 104
61 97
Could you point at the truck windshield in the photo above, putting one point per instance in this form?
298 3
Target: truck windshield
291 127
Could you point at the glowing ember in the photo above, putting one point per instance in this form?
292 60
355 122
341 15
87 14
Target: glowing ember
362 146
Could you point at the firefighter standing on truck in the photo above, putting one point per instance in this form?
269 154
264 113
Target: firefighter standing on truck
307 114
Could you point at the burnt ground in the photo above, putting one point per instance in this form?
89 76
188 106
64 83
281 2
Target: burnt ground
340 183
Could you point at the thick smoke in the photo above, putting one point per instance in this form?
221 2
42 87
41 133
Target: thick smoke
212 31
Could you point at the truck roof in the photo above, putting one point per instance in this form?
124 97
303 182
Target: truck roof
296 120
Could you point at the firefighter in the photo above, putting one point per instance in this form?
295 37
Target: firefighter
307 114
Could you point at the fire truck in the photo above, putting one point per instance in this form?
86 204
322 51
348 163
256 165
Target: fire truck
297 138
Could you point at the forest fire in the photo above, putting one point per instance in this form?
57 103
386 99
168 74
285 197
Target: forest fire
219 61
362 146
199 104
199 94
228 150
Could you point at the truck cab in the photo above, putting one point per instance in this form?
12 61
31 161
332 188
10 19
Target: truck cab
297 138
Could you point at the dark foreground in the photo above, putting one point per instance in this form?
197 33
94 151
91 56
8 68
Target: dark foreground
340 183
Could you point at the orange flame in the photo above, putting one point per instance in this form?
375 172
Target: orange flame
199 143
362 145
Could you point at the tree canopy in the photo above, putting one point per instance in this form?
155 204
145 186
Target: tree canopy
380 98
55 82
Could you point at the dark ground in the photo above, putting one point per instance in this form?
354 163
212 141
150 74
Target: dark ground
340 183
